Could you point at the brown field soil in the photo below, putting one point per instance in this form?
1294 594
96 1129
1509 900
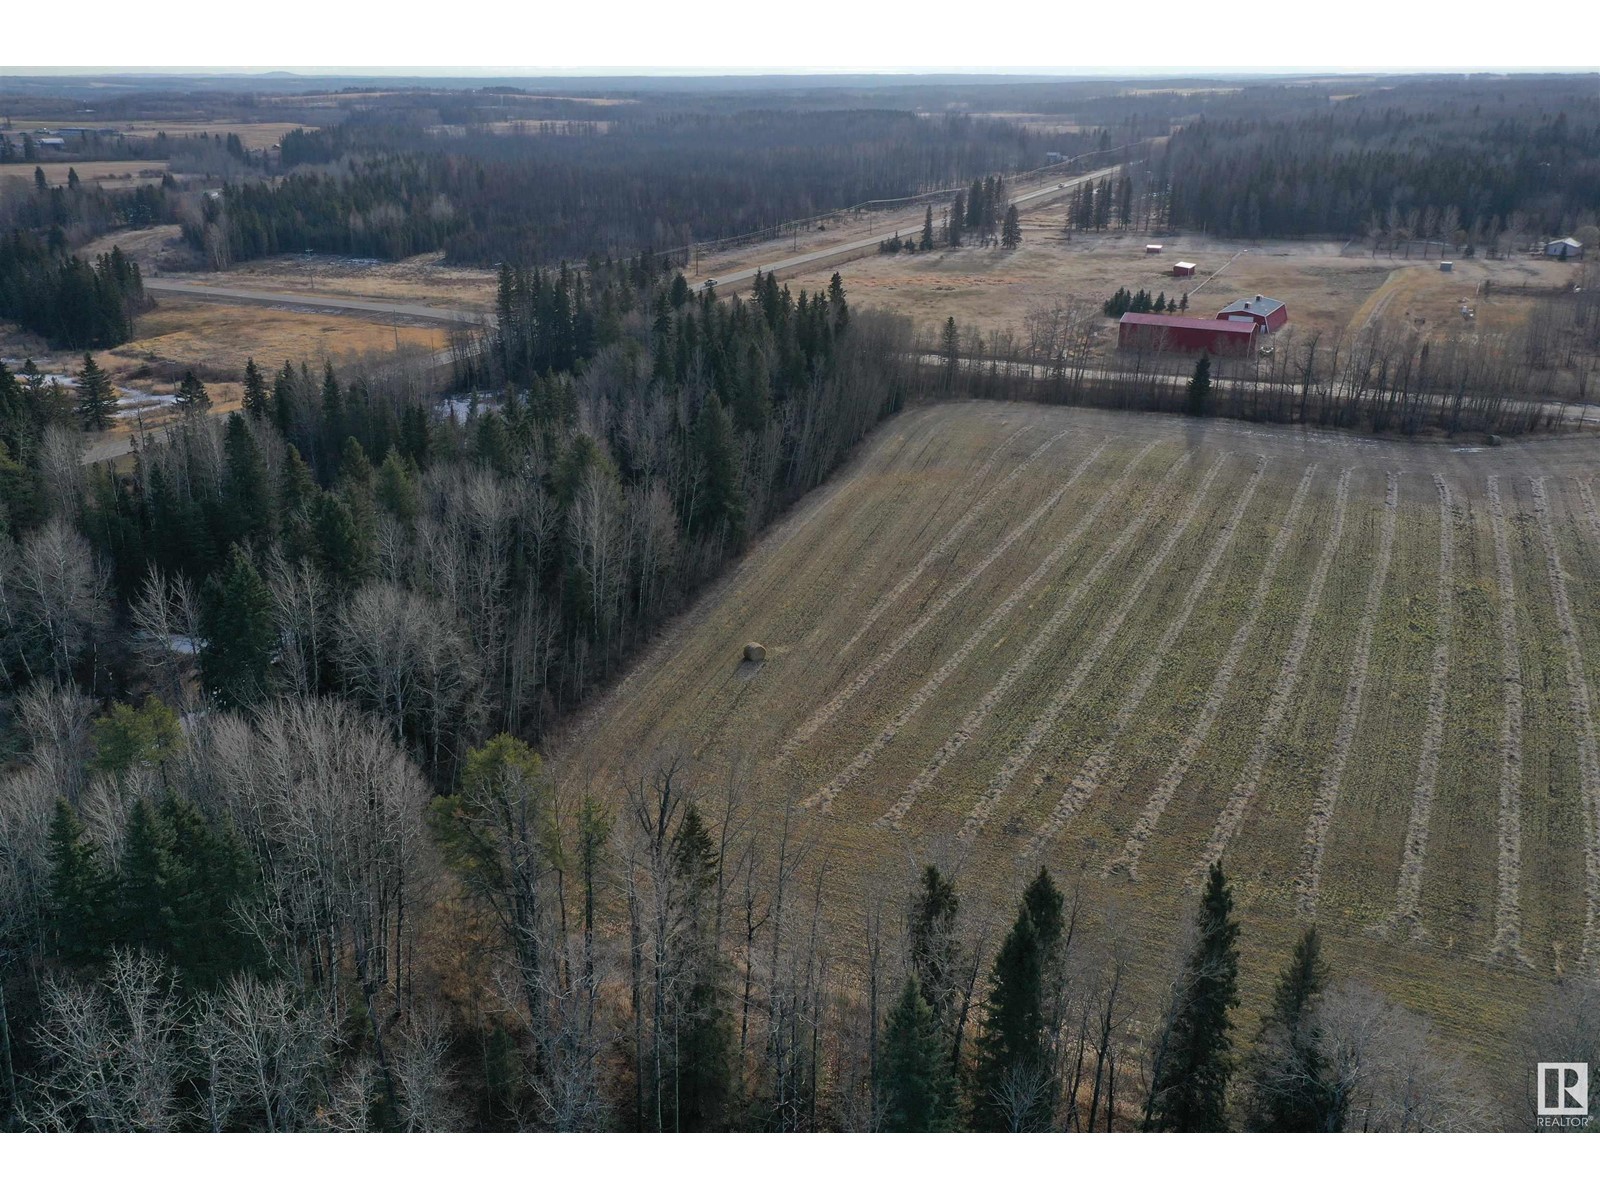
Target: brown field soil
1325 289
1229 565
120 173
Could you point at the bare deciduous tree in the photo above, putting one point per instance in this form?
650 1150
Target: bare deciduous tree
114 1052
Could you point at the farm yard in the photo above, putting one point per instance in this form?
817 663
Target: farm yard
1362 673
1328 286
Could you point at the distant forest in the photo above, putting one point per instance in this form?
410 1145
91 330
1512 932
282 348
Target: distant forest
1430 159
657 184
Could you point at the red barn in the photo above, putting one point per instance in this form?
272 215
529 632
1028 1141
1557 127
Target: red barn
1268 314
1183 268
1152 331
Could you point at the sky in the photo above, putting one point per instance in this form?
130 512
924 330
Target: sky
531 37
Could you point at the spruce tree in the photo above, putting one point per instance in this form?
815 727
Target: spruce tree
1288 1085
77 905
341 546
246 491
192 394
397 490
239 634
927 230
145 881
720 499
837 307
256 399
958 219
209 890
1010 1086
703 1035
1194 1060
931 927
1011 231
97 399
917 1082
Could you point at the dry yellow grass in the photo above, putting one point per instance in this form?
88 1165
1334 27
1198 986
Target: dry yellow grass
1324 288
223 336
424 279
119 173
1087 604
256 135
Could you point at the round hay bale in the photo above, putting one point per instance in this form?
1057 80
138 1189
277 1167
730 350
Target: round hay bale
755 652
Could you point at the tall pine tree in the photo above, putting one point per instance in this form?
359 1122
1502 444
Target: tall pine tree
1194 1056
1288 1082
97 399
918 1086
239 634
1011 231
80 892
1011 1084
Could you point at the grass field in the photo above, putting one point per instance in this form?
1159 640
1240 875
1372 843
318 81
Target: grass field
128 173
223 336
1324 288
1363 673
256 135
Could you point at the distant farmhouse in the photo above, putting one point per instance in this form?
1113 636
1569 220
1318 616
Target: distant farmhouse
1567 248
1268 314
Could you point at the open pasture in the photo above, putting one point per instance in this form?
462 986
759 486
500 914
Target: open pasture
120 173
1327 287
1363 674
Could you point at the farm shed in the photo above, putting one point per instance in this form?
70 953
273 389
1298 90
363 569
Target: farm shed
1267 313
1568 248
1183 268
1447 266
1149 331
1153 248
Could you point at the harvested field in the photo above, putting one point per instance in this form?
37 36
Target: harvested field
1118 646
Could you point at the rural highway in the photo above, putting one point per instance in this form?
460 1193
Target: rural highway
381 308
871 243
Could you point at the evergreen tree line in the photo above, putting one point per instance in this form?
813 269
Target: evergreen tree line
1124 301
71 302
67 215
1480 170
658 183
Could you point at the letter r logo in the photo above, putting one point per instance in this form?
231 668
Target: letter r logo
1563 1089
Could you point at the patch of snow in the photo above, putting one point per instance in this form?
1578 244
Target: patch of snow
133 398
461 407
